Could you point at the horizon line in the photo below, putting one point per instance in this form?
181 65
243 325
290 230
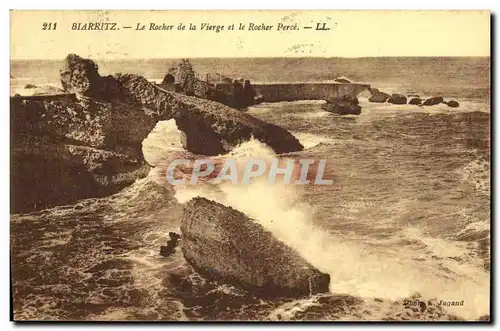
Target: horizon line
256 57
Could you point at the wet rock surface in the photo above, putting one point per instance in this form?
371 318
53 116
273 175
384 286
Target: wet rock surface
224 244
172 243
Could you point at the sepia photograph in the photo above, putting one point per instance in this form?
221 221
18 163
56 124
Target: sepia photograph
264 166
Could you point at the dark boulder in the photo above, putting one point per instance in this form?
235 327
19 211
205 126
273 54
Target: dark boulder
347 105
258 99
377 96
28 86
81 76
223 243
169 249
433 101
452 104
415 101
397 99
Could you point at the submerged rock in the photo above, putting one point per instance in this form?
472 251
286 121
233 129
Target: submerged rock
346 105
377 96
433 101
415 101
27 86
397 99
452 103
63 151
223 243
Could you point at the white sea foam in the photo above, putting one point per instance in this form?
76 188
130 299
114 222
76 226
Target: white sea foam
355 268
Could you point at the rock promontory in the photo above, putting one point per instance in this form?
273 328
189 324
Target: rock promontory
397 99
346 105
223 243
90 145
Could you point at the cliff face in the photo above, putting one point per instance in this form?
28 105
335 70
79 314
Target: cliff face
223 243
62 151
68 149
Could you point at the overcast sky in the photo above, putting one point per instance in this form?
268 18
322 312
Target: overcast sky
351 34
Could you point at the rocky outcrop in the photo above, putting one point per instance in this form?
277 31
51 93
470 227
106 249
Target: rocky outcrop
452 103
81 76
397 99
210 127
347 105
377 96
342 80
169 249
223 243
68 149
239 95
415 101
62 151
433 101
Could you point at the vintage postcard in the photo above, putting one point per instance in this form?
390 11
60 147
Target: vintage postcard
274 166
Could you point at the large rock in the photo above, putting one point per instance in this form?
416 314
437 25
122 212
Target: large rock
238 94
67 149
223 243
415 101
377 96
63 151
397 99
81 76
452 103
342 80
347 105
433 101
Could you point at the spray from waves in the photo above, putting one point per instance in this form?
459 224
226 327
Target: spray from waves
477 173
355 267
310 140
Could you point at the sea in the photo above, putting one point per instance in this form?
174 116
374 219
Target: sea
407 218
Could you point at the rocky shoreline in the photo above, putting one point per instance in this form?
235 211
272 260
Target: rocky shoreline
90 145
69 149
377 96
